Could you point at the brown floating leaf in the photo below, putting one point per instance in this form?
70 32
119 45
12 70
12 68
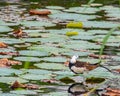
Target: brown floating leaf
32 86
19 33
102 56
37 12
3 45
111 92
9 53
6 63
17 84
66 63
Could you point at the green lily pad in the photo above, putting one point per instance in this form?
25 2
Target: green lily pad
63 31
5 56
30 76
24 92
71 53
38 71
9 71
97 32
53 66
71 16
34 31
9 24
100 24
37 23
101 73
49 49
58 93
33 53
80 45
5 29
113 44
54 59
11 40
86 10
112 39
116 58
83 37
9 94
30 59
64 72
10 80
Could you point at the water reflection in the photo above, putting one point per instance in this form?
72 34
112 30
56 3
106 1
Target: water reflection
79 89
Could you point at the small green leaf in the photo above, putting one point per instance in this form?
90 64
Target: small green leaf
75 25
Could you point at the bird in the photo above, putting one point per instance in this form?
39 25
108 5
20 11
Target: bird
79 67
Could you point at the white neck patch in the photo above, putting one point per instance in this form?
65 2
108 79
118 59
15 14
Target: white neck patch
73 59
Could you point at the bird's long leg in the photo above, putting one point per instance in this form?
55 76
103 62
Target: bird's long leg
106 68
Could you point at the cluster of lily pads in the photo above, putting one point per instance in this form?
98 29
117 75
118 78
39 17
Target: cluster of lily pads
50 43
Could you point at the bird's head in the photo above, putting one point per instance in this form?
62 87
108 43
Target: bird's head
73 59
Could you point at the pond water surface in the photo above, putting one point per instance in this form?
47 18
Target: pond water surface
49 42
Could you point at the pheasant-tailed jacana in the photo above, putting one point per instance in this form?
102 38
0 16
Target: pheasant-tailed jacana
80 67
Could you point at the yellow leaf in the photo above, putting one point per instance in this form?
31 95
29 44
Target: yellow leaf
72 33
75 25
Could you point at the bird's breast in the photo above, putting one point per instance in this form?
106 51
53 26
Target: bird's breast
78 69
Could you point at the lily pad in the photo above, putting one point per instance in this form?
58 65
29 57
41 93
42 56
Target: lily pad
83 37
71 53
30 76
50 49
11 40
71 16
54 59
116 58
33 53
37 23
5 29
53 66
86 10
9 71
80 45
100 24
30 59
24 92
101 73
34 31
9 80
57 94
9 94
38 71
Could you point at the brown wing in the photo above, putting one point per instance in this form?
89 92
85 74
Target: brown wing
86 64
